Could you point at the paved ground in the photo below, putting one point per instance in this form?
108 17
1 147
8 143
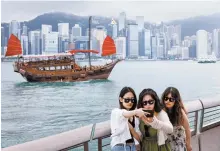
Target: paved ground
210 140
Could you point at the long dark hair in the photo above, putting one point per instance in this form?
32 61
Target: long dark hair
123 92
175 114
153 94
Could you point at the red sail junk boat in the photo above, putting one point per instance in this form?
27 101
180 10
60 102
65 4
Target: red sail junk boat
60 67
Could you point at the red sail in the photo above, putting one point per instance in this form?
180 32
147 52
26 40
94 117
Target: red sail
14 46
108 47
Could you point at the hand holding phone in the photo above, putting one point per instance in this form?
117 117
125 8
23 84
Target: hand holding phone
149 113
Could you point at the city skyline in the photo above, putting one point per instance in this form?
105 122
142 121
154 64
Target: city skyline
152 11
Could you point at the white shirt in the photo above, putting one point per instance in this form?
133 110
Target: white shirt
119 128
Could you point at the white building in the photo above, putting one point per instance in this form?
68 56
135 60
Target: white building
147 42
140 22
122 21
216 42
45 29
63 29
51 43
34 39
76 30
133 46
120 43
185 53
24 44
202 44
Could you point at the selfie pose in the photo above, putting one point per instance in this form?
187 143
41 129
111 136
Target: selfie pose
155 126
180 139
123 122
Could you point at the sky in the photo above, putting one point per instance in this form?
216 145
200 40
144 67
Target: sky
153 11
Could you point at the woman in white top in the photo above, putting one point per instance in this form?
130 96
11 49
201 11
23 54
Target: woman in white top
123 133
154 129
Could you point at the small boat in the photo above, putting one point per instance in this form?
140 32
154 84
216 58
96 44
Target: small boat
60 67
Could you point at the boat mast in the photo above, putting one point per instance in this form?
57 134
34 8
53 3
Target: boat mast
89 42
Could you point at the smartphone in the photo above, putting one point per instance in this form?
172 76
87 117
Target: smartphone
149 111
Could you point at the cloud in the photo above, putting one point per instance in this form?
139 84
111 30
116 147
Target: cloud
153 11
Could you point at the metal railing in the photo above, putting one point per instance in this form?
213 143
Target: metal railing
203 114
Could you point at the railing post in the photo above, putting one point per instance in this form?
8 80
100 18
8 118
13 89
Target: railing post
92 133
86 146
99 144
201 117
200 125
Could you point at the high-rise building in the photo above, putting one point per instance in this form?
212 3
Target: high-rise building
2 40
209 43
192 48
63 29
201 44
120 43
100 34
14 28
140 22
122 24
34 38
76 30
24 44
141 43
216 42
185 53
177 30
132 41
122 21
51 43
147 43
160 51
45 29
24 30
153 47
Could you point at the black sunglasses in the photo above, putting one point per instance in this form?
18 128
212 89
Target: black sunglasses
170 99
150 102
127 100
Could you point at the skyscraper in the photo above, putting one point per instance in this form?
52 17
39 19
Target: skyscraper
63 29
76 30
133 46
147 42
51 43
177 30
122 23
114 29
216 42
24 44
202 44
24 30
153 47
120 43
140 22
45 29
34 38
2 40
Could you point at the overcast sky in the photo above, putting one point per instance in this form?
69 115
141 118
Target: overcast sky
153 11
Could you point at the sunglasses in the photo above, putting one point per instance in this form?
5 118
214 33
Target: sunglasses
127 100
170 99
150 102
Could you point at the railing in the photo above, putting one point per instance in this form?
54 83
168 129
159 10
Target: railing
203 115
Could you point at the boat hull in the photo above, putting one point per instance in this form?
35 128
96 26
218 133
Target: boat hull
85 75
